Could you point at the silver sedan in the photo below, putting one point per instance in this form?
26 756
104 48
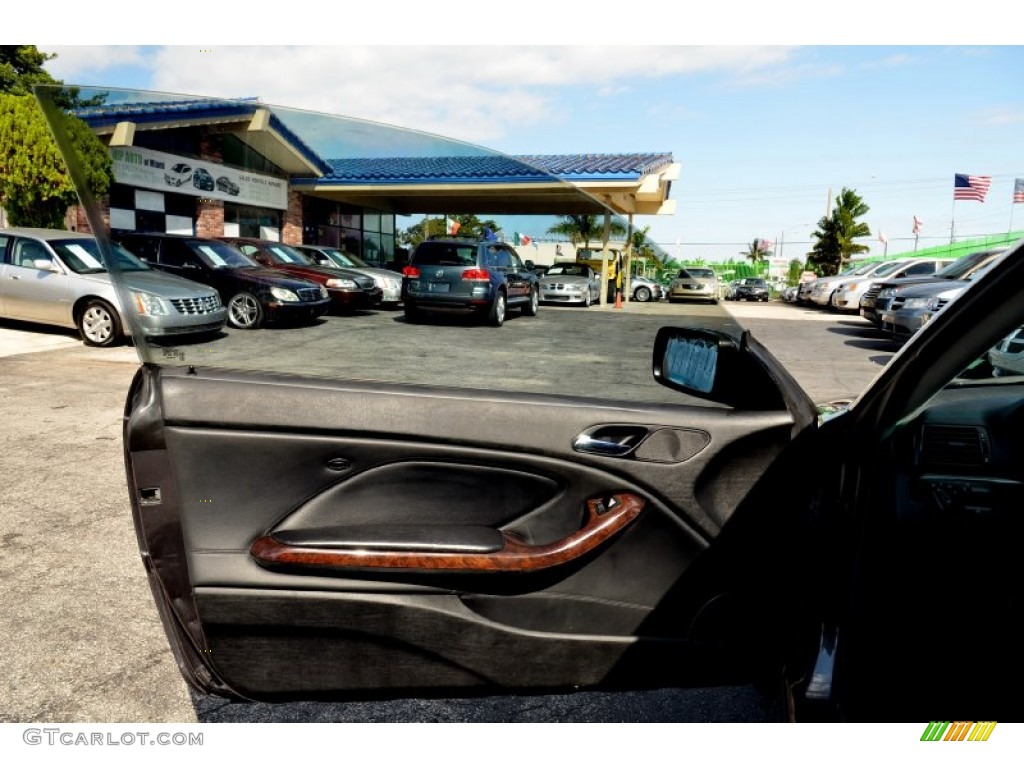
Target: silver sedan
571 284
60 278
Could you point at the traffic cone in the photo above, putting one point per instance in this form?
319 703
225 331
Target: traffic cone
618 299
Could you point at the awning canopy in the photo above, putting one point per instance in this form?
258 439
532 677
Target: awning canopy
499 184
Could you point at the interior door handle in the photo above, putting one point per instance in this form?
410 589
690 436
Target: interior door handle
605 518
612 440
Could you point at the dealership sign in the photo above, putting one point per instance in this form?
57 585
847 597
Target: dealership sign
148 169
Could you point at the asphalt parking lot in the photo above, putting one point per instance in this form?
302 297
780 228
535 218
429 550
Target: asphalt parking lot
78 632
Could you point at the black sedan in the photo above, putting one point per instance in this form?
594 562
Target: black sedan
748 289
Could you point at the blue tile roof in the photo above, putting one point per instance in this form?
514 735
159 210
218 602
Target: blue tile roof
393 170
108 115
491 168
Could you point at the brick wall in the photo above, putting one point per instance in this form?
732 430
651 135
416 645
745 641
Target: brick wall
76 221
291 226
209 218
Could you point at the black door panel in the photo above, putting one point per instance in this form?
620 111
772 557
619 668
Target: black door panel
371 478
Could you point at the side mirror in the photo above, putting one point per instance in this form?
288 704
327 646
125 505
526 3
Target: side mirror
46 265
714 366
529 264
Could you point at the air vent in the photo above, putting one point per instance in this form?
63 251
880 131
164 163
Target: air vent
948 445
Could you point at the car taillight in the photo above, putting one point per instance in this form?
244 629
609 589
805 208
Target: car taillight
476 274
410 271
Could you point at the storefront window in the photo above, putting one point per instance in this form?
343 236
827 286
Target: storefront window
249 221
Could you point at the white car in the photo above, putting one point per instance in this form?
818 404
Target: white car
178 174
389 281
571 284
1007 357
824 287
846 297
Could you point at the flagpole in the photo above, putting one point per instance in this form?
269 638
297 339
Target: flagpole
952 222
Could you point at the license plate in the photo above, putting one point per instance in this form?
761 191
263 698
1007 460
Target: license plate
438 287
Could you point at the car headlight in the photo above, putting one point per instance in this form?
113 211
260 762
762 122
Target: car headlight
341 282
934 304
283 294
886 293
148 304
917 303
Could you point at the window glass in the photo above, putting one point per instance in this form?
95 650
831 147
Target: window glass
320 159
84 256
440 253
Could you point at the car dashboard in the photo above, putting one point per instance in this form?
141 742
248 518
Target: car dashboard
938 596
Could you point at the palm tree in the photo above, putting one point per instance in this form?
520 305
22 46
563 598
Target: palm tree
756 251
582 228
835 235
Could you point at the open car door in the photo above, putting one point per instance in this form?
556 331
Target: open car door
375 531
322 537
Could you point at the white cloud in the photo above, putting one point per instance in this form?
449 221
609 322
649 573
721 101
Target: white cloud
75 62
1004 116
474 93
886 62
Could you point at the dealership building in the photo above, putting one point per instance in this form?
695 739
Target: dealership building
214 168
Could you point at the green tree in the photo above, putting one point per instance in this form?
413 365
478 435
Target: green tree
21 67
793 275
582 228
469 226
834 239
757 251
35 188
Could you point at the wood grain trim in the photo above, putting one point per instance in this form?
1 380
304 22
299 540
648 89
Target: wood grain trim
515 556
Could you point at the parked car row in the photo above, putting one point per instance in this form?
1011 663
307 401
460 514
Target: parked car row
900 306
898 297
185 284
179 284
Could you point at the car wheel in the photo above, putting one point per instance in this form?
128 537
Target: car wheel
531 307
586 300
496 316
642 294
245 311
99 324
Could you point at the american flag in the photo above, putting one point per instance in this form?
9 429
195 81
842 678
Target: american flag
1018 191
967 187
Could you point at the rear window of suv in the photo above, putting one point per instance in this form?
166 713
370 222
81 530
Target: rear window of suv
445 254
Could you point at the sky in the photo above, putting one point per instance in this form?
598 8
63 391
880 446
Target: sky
764 133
